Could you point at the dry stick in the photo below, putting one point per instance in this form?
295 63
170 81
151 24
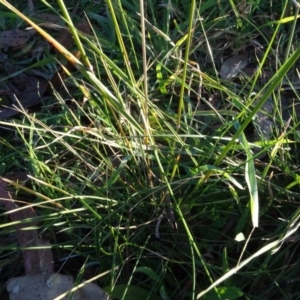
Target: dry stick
36 261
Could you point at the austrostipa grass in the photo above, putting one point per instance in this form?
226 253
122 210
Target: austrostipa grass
150 174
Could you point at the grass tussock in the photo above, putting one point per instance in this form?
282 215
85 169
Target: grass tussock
148 167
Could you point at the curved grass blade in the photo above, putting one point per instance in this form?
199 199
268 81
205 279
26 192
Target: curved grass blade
250 178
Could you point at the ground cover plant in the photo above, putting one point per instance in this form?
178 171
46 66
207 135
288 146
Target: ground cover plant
160 147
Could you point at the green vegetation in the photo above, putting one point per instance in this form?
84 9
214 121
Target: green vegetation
149 171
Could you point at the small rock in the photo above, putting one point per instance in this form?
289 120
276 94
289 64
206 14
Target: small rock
37 287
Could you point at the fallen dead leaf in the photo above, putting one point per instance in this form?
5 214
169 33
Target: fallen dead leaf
244 8
48 18
14 38
66 39
25 89
234 65
22 90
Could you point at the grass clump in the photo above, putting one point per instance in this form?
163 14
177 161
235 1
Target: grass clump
148 171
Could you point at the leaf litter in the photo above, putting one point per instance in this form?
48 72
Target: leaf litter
22 88
233 66
14 38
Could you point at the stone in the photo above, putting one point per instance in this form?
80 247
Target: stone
55 286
